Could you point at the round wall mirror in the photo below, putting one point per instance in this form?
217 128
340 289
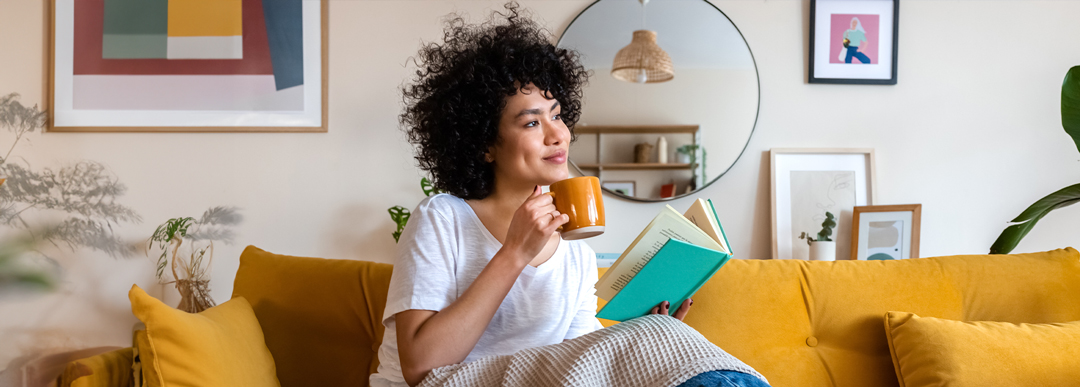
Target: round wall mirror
681 105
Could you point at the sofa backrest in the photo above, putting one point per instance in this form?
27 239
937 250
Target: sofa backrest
322 318
799 323
803 323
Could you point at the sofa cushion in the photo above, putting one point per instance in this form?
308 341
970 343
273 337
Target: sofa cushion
815 323
322 318
929 351
220 346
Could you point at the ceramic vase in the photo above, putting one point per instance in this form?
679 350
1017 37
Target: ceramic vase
823 251
661 150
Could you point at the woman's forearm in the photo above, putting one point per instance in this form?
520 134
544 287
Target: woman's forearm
447 337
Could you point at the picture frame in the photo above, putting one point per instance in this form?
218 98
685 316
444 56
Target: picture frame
873 24
623 187
807 182
145 66
886 232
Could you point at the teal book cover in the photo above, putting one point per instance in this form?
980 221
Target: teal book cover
674 274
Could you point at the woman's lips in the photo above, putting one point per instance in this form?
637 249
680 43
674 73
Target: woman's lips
557 158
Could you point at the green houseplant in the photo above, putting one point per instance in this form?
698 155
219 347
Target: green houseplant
400 215
191 274
823 248
1070 120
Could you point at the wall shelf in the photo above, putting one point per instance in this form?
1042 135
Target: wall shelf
635 129
634 166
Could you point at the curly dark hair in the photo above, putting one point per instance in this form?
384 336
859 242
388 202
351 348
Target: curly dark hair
453 106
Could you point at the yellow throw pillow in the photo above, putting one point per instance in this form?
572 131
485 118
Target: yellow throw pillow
929 351
221 346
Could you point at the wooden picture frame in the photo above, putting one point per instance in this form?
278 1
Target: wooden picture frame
113 92
813 167
902 219
829 43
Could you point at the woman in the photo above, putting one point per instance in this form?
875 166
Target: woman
481 270
856 38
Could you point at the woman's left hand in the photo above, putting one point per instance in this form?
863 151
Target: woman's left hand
679 314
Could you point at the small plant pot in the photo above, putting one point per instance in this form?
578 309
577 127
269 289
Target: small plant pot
682 158
823 251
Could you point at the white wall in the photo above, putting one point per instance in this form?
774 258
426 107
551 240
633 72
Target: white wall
971 131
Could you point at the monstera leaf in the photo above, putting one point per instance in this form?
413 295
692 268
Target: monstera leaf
1070 120
1013 234
1070 104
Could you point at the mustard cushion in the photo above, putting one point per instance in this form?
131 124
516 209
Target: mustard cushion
929 351
322 318
110 369
221 346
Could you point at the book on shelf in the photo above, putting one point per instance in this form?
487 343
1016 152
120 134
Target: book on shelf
669 261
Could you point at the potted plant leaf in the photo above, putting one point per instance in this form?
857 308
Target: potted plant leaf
1070 120
823 248
400 215
190 263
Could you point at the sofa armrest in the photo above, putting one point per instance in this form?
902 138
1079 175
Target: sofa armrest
110 369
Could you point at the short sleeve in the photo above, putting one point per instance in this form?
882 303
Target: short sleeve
424 272
585 318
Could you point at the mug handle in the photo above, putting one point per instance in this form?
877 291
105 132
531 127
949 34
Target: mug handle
552 193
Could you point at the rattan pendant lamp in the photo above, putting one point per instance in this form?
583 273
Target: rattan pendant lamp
643 61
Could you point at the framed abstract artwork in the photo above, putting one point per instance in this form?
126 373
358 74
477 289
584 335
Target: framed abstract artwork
187 66
625 188
807 183
854 41
886 232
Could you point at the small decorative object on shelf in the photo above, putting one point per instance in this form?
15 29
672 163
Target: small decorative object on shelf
823 248
667 190
661 150
642 152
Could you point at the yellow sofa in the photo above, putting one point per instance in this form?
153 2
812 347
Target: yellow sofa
799 323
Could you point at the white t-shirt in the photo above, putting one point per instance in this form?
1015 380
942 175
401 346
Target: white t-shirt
443 249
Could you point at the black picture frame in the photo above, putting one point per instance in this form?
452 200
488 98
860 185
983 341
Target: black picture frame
856 81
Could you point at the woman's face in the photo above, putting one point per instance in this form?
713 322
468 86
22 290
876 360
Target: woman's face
534 143
854 24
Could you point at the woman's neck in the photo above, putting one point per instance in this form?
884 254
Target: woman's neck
497 209
505 198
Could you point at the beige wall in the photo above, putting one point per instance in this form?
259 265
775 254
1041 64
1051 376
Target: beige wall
971 131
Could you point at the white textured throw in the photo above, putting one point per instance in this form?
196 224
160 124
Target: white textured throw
648 351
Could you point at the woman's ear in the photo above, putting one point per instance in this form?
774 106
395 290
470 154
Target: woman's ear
488 157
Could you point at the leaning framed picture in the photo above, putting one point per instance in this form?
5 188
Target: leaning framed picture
854 41
885 233
808 183
187 66
625 188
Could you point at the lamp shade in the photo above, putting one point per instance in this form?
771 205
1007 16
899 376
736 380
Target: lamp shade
642 61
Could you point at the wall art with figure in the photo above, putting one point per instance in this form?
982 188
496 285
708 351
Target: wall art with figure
854 38
854 41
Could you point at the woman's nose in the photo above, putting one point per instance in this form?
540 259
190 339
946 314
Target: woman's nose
557 134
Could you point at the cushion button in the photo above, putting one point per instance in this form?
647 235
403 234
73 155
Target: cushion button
811 341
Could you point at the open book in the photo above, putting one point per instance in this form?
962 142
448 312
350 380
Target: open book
669 261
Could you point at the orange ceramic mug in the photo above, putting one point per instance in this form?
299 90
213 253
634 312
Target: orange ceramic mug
581 199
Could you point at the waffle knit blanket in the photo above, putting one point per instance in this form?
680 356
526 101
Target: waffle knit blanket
648 351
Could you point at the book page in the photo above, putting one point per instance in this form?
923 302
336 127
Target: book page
700 214
668 224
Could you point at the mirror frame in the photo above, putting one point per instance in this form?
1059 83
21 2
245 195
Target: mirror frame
757 114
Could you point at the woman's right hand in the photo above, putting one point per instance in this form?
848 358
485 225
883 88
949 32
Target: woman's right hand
679 314
532 225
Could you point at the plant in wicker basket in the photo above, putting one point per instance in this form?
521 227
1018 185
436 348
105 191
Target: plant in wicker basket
190 262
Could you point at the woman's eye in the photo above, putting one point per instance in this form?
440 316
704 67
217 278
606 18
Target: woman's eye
532 123
557 117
